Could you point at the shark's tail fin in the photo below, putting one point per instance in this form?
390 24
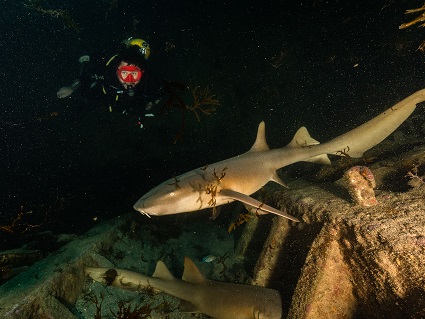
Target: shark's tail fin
303 139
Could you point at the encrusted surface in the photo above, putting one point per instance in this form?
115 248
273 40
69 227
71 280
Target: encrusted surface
53 284
365 262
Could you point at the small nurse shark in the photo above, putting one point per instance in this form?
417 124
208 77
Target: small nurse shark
238 177
220 300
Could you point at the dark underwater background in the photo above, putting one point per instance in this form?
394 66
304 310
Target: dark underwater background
65 165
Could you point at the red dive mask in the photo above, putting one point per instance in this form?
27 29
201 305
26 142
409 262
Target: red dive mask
129 74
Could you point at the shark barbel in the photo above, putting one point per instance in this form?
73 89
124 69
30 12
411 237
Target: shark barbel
238 177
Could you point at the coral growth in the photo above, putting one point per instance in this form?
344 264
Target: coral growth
37 5
415 179
419 19
211 189
203 102
138 312
361 183
242 218
19 225
125 310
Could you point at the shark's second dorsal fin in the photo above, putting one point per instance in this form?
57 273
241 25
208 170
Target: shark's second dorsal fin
191 273
161 271
260 142
303 139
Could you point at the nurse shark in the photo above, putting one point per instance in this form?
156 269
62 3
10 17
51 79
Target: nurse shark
238 177
217 299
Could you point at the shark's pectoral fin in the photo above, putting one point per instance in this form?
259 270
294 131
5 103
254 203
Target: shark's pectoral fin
255 203
277 179
188 307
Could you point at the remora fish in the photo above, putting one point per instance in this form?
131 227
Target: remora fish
217 299
238 177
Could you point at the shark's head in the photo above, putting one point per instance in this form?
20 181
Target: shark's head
170 197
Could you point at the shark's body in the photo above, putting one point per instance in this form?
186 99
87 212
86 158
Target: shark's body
217 299
238 177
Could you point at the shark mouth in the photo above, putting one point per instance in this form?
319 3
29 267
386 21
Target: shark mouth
140 209
144 213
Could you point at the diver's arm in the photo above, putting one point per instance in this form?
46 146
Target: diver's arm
66 91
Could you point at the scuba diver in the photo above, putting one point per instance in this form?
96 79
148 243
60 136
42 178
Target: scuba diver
125 80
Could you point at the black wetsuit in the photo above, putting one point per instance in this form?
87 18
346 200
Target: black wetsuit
98 80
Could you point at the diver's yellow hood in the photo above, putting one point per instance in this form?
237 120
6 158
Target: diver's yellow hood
145 49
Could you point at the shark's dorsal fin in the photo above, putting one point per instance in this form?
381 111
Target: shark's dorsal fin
303 139
191 273
161 271
260 142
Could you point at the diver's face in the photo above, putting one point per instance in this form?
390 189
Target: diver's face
129 75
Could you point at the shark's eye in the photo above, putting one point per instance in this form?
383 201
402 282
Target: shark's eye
172 194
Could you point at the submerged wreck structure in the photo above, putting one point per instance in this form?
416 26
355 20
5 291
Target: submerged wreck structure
352 261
